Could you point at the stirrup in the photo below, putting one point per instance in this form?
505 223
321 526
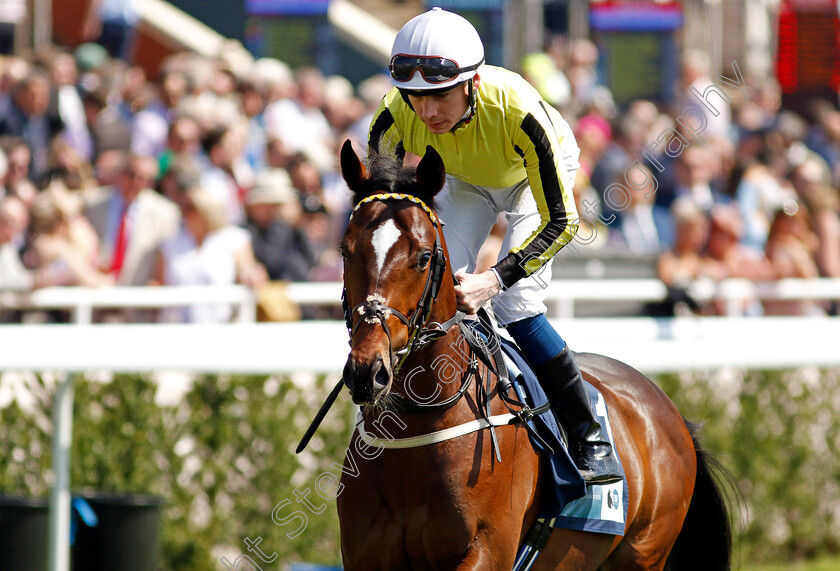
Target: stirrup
605 470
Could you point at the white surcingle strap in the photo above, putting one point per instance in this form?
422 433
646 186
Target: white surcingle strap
433 437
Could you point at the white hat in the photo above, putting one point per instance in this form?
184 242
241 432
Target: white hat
272 186
438 34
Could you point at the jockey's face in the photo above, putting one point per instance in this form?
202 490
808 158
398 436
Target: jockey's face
442 111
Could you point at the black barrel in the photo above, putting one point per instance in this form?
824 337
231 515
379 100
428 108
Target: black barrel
23 533
126 536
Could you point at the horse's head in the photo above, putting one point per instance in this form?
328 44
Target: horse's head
394 264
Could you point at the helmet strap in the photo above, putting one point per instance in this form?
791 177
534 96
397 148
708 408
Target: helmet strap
404 96
471 99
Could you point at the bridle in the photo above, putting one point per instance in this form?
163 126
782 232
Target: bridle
373 310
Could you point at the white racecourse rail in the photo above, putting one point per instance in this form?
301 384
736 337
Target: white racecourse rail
561 295
651 345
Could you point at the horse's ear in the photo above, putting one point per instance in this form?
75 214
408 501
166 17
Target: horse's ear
431 173
352 169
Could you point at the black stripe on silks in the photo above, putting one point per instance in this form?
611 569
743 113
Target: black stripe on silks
511 267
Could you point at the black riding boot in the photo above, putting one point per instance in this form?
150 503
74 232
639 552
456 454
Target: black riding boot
589 446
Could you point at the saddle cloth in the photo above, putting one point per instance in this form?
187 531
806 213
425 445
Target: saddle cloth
567 499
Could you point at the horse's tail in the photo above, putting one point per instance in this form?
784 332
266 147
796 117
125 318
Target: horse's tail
705 541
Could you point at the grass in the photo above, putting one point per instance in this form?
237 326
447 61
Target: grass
824 564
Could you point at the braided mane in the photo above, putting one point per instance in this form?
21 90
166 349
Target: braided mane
387 174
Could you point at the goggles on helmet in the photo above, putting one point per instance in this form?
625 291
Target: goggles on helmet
434 69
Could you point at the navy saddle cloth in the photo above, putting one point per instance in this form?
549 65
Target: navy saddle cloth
565 495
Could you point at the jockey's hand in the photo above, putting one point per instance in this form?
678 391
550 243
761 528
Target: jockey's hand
475 289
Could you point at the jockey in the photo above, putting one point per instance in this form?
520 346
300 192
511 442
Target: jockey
506 151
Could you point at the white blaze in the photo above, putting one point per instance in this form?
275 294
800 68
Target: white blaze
384 239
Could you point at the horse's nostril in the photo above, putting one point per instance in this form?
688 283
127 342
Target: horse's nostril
349 374
381 379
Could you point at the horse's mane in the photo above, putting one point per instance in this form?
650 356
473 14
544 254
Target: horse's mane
387 174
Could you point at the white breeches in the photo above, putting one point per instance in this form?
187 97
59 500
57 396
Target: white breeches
469 213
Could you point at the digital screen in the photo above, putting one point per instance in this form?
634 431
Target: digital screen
638 65
637 48
808 56
818 49
298 41
286 7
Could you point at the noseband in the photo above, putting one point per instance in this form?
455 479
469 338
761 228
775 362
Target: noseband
373 310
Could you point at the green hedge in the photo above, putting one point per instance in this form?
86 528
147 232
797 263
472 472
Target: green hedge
223 458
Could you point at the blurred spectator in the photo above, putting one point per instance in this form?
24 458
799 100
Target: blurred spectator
14 219
699 90
341 107
759 194
182 141
253 103
542 71
12 15
629 135
593 232
222 154
69 167
183 174
323 232
65 76
824 139
149 119
18 158
725 246
787 147
593 134
824 204
281 246
109 130
131 221
582 71
174 87
298 120
14 69
695 169
111 23
56 257
207 250
739 260
644 228
791 244
30 117
79 232
370 91
687 261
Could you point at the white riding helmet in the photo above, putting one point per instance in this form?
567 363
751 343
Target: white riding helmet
434 51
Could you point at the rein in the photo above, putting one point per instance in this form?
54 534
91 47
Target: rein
373 310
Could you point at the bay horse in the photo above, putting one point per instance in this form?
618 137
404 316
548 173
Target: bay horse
455 492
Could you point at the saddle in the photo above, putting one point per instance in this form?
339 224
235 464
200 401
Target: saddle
567 501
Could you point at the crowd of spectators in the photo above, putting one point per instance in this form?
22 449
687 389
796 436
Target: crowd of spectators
748 189
219 172
211 172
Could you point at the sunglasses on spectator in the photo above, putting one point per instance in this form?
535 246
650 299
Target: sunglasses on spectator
433 69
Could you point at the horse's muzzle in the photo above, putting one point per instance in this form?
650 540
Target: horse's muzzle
368 380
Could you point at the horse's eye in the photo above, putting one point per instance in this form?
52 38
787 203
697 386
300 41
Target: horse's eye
424 259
